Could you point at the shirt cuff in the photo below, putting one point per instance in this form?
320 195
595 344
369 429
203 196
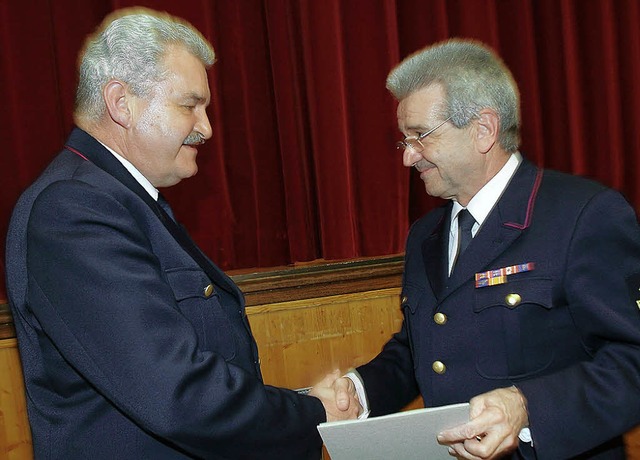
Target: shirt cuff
525 435
354 376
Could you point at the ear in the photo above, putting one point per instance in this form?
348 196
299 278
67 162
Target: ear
488 127
117 101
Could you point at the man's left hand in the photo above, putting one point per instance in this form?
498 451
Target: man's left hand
496 419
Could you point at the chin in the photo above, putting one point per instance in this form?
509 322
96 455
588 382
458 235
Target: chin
190 172
186 168
432 192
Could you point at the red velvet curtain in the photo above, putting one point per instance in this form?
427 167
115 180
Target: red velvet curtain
302 164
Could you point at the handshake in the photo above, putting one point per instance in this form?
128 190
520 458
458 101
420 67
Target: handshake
338 396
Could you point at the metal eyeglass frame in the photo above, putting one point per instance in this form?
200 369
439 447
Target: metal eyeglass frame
415 142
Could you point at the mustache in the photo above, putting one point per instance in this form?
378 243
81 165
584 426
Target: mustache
195 138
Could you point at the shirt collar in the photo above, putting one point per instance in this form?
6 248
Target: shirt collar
483 202
137 175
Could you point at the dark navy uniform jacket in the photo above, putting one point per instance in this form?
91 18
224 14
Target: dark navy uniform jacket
564 329
134 345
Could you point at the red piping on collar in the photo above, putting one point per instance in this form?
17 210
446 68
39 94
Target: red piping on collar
530 205
72 150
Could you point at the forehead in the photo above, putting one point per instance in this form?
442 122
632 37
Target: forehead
420 107
187 75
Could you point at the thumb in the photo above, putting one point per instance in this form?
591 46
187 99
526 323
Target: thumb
342 388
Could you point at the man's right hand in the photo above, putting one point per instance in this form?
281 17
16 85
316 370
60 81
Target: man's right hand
338 396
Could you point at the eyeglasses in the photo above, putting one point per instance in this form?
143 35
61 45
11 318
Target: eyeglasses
415 142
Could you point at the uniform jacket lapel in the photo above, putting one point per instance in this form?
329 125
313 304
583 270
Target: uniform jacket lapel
89 148
511 216
435 253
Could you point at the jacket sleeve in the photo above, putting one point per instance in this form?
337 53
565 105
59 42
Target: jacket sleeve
389 379
99 293
590 402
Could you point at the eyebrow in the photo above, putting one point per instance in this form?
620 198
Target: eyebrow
417 128
197 98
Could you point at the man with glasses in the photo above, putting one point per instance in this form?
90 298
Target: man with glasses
520 294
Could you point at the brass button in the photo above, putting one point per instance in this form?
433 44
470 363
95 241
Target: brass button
208 290
513 300
439 367
440 318
404 299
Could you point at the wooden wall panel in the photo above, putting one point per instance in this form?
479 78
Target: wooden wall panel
632 441
302 340
15 437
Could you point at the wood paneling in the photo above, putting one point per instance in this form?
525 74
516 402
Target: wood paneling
319 279
15 437
302 340
632 441
7 330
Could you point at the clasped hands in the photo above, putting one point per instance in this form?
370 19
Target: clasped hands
338 396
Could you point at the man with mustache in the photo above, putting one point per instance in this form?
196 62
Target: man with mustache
133 343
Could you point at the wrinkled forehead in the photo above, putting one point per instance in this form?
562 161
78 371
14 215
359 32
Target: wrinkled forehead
185 75
421 107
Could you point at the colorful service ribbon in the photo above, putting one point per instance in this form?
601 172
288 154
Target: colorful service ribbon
499 275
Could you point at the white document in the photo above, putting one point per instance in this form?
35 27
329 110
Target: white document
405 435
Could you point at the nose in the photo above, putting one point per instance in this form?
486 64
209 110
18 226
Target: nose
410 157
203 126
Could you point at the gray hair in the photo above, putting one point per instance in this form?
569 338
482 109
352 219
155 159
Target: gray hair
473 78
129 46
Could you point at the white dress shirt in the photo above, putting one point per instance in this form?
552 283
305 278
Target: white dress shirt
137 175
482 203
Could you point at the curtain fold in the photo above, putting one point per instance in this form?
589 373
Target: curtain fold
302 164
292 116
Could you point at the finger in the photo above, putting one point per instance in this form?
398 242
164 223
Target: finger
488 420
459 450
461 433
342 400
476 406
494 444
345 392
481 447
507 444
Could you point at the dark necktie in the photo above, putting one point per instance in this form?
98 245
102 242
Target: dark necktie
183 238
164 204
465 224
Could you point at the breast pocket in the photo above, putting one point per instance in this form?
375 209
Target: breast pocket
514 322
199 302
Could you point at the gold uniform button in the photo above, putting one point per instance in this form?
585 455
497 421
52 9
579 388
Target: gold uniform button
439 367
513 300
404 299
208 290
440 318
